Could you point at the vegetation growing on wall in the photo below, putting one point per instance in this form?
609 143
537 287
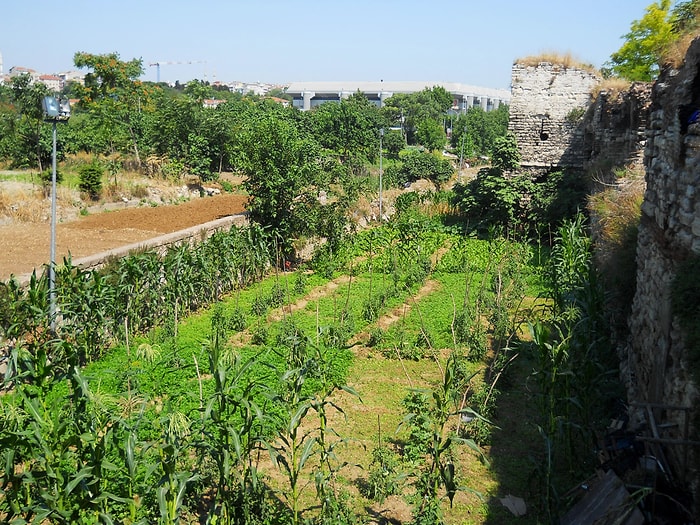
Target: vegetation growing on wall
565 60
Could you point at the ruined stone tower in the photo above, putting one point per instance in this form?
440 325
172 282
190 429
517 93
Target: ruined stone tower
548 102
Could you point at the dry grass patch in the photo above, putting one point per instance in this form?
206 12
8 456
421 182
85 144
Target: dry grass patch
617 213
675 54
565 60
612 86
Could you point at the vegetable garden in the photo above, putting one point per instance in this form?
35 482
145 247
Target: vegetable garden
209 384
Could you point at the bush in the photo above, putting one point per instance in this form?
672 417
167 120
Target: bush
91 180
423 165
394 143
384 474
47 175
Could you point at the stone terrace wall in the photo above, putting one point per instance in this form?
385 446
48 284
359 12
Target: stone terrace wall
655 362
547 102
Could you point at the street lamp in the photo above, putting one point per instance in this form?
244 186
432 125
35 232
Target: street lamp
381 135
55 110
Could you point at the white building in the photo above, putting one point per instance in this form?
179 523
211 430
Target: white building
309 94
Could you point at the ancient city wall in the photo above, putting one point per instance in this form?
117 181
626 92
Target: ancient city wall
548 102
656 359
615 128
558 123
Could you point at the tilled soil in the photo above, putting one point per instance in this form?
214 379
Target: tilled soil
26 246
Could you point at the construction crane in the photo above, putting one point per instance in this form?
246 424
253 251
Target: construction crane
170 62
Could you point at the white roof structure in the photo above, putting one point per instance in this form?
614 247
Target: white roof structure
411 86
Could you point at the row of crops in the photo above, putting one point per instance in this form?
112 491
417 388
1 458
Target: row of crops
199 385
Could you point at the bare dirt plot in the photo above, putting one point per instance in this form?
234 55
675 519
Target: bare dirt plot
25 246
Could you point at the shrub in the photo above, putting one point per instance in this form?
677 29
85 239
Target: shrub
423 165
617 213
91 179
47 175
384 475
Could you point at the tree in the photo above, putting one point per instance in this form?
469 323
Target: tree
29 142
393 143
282 172
685 16
423 165
413 108
474 132
506 155
115 97
430 134
641 56
349 127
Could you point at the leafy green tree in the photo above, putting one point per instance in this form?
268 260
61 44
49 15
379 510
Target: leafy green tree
410 109
393 143
282 172
167 129
423 165
506 156
115 97
349 127
28 140
474 132
199 90
493 201
685 16
641 56
430 134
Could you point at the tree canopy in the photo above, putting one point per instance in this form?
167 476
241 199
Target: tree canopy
647 44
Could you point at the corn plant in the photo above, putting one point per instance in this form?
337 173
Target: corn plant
294 444
231 429
87 310
175 474
553 376
438 470
56 459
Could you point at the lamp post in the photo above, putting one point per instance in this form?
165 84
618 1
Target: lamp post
55 110
381 136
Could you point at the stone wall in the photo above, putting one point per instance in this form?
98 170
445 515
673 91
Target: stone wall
615 128
655 363
558 123
548 102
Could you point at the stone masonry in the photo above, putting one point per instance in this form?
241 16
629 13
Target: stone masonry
548 102
615 128
558 124
669 232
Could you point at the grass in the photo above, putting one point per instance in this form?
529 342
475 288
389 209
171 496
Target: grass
566 60
618 209
612 86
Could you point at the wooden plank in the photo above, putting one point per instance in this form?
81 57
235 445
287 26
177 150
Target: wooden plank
606 503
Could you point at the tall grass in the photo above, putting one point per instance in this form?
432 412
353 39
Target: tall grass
576 371
616 213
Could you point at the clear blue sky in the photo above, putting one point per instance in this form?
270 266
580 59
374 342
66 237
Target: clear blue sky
280 41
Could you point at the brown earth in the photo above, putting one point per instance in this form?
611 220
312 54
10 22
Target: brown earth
26 246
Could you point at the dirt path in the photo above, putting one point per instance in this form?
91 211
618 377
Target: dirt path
25 246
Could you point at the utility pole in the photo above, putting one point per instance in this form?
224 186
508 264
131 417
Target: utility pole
55 110
461 158
381 135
